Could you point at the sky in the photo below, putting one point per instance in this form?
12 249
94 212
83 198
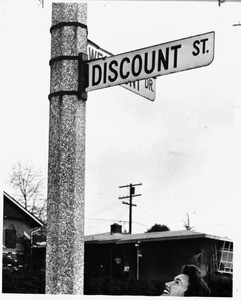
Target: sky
181 146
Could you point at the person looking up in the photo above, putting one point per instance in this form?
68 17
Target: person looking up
188 283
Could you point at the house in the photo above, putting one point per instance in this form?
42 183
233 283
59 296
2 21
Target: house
157 255
154 256
18 226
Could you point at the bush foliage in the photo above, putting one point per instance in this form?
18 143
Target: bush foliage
30 281
111 286
26 281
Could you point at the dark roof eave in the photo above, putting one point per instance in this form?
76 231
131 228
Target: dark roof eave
137 237
161 239
34 219
101 242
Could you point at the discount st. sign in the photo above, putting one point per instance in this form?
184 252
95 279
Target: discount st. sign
171 57
145 88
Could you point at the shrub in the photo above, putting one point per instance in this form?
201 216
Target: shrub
221 285
23 281
111 286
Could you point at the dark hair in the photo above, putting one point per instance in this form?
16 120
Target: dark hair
197 286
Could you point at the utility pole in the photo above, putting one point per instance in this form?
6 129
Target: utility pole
66 164
131 195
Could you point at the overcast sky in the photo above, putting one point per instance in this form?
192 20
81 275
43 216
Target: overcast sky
180 147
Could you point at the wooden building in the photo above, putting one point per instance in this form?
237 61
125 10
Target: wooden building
157 255
18 227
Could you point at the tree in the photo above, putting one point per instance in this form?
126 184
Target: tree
28 185
158 227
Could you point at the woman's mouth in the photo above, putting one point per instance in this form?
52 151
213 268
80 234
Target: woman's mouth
166 291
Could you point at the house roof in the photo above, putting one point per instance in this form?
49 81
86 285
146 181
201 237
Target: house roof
35 222
120 238
104 237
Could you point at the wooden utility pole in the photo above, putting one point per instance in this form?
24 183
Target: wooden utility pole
66 164
131 195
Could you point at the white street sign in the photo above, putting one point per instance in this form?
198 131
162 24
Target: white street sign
171 57
145 88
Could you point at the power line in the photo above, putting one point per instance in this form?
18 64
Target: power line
154 217
112 220
115 220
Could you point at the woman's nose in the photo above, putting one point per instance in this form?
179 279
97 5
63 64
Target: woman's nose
168 284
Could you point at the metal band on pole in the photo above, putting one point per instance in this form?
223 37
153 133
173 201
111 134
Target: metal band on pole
62 24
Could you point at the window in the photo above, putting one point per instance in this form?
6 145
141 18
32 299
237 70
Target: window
9 238
225 258
4 238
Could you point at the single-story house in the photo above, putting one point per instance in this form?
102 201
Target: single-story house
156 255
18 226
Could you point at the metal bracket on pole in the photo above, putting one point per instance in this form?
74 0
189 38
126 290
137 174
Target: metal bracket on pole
83 76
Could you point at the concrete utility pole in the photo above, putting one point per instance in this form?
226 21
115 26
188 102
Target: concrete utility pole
66 165
131 195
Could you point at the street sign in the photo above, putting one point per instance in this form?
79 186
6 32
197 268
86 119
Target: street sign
171 57
145 88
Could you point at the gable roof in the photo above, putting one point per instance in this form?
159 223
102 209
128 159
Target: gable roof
22 212
120 238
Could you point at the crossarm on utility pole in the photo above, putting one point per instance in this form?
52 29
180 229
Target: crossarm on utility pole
128 203
128 185
125 197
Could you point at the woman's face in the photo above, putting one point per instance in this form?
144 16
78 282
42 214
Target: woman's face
178 286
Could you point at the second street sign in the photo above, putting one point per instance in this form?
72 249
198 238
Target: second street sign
184 54
145 88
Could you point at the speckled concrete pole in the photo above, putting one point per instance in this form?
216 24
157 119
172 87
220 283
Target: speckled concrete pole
66 169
